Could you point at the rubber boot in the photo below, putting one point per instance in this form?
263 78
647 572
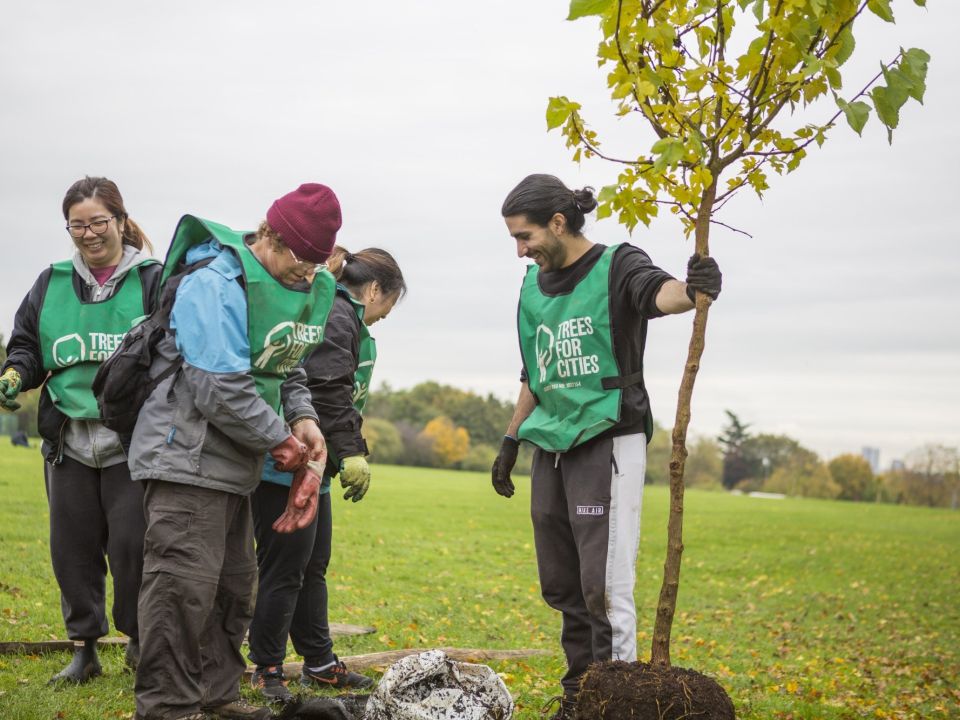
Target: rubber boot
84 666
131 657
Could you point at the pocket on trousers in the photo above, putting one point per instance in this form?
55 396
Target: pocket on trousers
168 539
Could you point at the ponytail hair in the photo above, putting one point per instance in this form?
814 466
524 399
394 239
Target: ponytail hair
356 270
107 192
540 197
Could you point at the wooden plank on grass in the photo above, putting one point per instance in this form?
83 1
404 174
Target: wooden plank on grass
48 646
381 660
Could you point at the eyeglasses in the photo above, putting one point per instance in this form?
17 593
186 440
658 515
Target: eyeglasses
306 267
97 227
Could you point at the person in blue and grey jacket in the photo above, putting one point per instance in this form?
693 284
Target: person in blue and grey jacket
251 308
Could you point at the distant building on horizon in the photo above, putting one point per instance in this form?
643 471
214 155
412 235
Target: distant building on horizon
872 456
897 465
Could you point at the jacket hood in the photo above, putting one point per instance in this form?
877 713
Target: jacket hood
131 257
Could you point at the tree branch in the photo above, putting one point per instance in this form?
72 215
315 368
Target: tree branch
791 88
591 148
649 11
706 19
657 127
843 26
762 73
729 227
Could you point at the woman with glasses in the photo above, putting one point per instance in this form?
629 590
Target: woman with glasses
292 592
71 320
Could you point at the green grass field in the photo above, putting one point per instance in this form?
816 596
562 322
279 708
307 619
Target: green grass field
800 608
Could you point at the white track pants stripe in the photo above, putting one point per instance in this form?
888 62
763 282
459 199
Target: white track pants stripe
626 500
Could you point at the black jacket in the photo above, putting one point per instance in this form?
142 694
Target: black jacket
330 370
26 357
634 284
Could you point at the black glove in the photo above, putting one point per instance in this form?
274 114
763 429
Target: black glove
503 465
703 275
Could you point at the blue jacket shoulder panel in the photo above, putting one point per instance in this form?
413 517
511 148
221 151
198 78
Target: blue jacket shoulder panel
210 313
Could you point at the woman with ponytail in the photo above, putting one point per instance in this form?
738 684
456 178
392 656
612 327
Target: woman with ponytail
292 593
71 320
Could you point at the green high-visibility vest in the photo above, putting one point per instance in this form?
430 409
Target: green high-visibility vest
76 336
367 356
283 324
567 348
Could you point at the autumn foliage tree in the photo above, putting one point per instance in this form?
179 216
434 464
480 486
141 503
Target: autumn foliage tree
854 476
450 443
711 80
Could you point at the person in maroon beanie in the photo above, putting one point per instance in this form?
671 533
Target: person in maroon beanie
249 308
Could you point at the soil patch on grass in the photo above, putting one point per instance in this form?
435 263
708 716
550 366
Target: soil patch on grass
619 690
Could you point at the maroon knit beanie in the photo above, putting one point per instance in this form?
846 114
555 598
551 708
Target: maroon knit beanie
307 221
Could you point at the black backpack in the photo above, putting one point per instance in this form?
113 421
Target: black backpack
123 383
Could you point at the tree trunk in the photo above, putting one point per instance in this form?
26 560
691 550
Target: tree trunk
667 605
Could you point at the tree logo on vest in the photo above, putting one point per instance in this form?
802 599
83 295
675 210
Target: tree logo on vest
360 392
571 350
544 349
285 345
69 350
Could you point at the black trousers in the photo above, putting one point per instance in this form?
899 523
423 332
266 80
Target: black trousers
292 590
96 517
585 506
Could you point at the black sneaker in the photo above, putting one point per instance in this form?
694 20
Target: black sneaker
239 710
268 682
336 676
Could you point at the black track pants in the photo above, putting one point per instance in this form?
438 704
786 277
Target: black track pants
292 589
96 516
585 507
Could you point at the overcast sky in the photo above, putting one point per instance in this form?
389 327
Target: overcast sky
838 320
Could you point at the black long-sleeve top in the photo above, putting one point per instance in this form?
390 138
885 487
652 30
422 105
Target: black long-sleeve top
330 370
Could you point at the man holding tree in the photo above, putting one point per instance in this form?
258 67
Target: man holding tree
582 324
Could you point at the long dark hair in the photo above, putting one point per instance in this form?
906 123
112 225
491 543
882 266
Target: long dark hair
354 270
107 192
540 197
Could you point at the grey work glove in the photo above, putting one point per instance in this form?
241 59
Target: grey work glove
503 466
703 275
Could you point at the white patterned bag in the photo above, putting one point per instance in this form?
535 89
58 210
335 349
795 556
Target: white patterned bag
431 686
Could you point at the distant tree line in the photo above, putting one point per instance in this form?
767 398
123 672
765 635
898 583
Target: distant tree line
438 425
929 476
434 425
